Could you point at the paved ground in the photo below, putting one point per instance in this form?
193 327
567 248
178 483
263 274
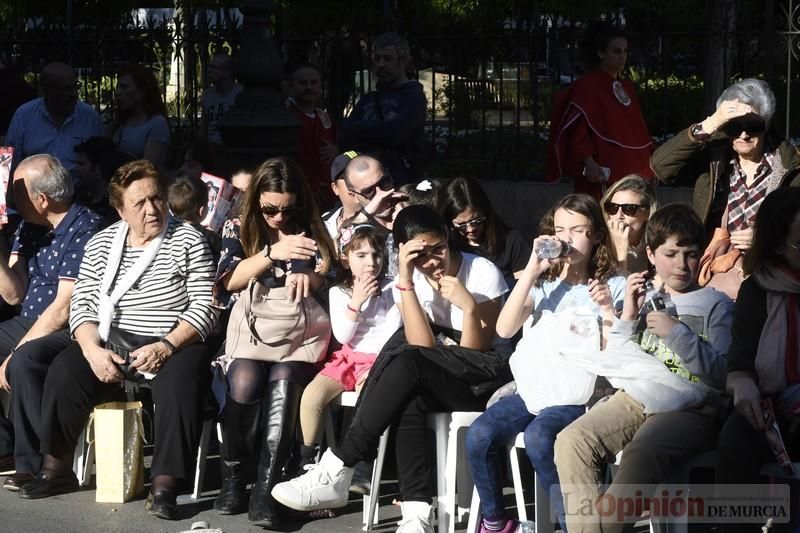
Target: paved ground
78 512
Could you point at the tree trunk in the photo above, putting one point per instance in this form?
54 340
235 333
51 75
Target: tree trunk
719 51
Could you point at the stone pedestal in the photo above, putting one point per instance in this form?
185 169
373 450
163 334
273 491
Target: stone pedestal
259 126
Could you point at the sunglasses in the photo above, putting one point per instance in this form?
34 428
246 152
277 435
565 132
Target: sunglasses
385 183
629 209
271 210
469 223
754 126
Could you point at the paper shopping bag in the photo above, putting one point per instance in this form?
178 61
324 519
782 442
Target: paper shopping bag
119 453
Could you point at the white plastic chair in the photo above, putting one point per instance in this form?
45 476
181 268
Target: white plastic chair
446 427
370 502
541 497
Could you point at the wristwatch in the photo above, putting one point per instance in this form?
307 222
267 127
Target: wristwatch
265 251
697 132
171 347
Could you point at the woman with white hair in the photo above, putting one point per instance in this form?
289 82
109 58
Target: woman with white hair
740 162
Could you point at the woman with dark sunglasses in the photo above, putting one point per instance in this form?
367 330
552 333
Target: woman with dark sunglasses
741 161
627 206
478 230
280 240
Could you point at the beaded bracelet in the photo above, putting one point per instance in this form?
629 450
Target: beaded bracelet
409 288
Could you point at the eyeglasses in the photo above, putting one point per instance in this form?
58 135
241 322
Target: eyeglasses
753 125
272 211
628 209
477 221
385 183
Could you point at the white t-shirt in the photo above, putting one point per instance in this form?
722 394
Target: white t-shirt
378 321
480 277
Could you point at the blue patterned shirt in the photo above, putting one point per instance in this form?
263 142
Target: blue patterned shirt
53 255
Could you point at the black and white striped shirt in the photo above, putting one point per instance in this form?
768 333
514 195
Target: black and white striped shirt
176 285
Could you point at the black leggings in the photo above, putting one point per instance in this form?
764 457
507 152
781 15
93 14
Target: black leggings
409 387
247 378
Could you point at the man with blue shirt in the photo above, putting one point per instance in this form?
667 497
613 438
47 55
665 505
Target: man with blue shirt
39 277
54 123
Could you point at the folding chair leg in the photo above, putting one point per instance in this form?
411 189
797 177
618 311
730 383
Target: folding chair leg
202 454
441 422
83 460
513 458
450 480
542 507
474 512
372 499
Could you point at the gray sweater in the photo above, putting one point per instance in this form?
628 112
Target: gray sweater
695 349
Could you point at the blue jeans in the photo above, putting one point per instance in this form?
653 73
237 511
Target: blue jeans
489 436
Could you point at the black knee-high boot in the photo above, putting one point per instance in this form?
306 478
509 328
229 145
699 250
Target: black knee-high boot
240 427
280 409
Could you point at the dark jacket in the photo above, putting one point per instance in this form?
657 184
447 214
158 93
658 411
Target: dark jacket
391 124
706 161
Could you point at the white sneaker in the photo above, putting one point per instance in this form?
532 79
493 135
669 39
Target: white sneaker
417 518
323 486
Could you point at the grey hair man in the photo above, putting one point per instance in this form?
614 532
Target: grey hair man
39 276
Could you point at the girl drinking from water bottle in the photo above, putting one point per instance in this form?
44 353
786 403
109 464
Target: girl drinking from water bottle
571 267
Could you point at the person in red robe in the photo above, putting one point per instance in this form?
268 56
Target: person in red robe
316 143
597 132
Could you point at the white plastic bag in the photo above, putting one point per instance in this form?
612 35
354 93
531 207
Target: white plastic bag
546 378
646 379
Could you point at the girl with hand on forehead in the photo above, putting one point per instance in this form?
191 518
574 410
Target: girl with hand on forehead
449 302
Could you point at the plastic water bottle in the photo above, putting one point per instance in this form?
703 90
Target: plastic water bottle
526 526
551 248
658 299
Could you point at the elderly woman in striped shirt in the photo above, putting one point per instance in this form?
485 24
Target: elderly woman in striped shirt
144 290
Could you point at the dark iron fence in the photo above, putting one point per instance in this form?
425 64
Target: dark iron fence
489 95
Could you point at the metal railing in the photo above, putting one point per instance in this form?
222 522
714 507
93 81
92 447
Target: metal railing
489 95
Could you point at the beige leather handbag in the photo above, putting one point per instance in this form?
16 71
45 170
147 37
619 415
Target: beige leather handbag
267 326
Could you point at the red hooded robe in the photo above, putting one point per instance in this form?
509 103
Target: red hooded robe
598 116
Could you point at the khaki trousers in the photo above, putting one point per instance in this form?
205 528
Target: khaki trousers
653 444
